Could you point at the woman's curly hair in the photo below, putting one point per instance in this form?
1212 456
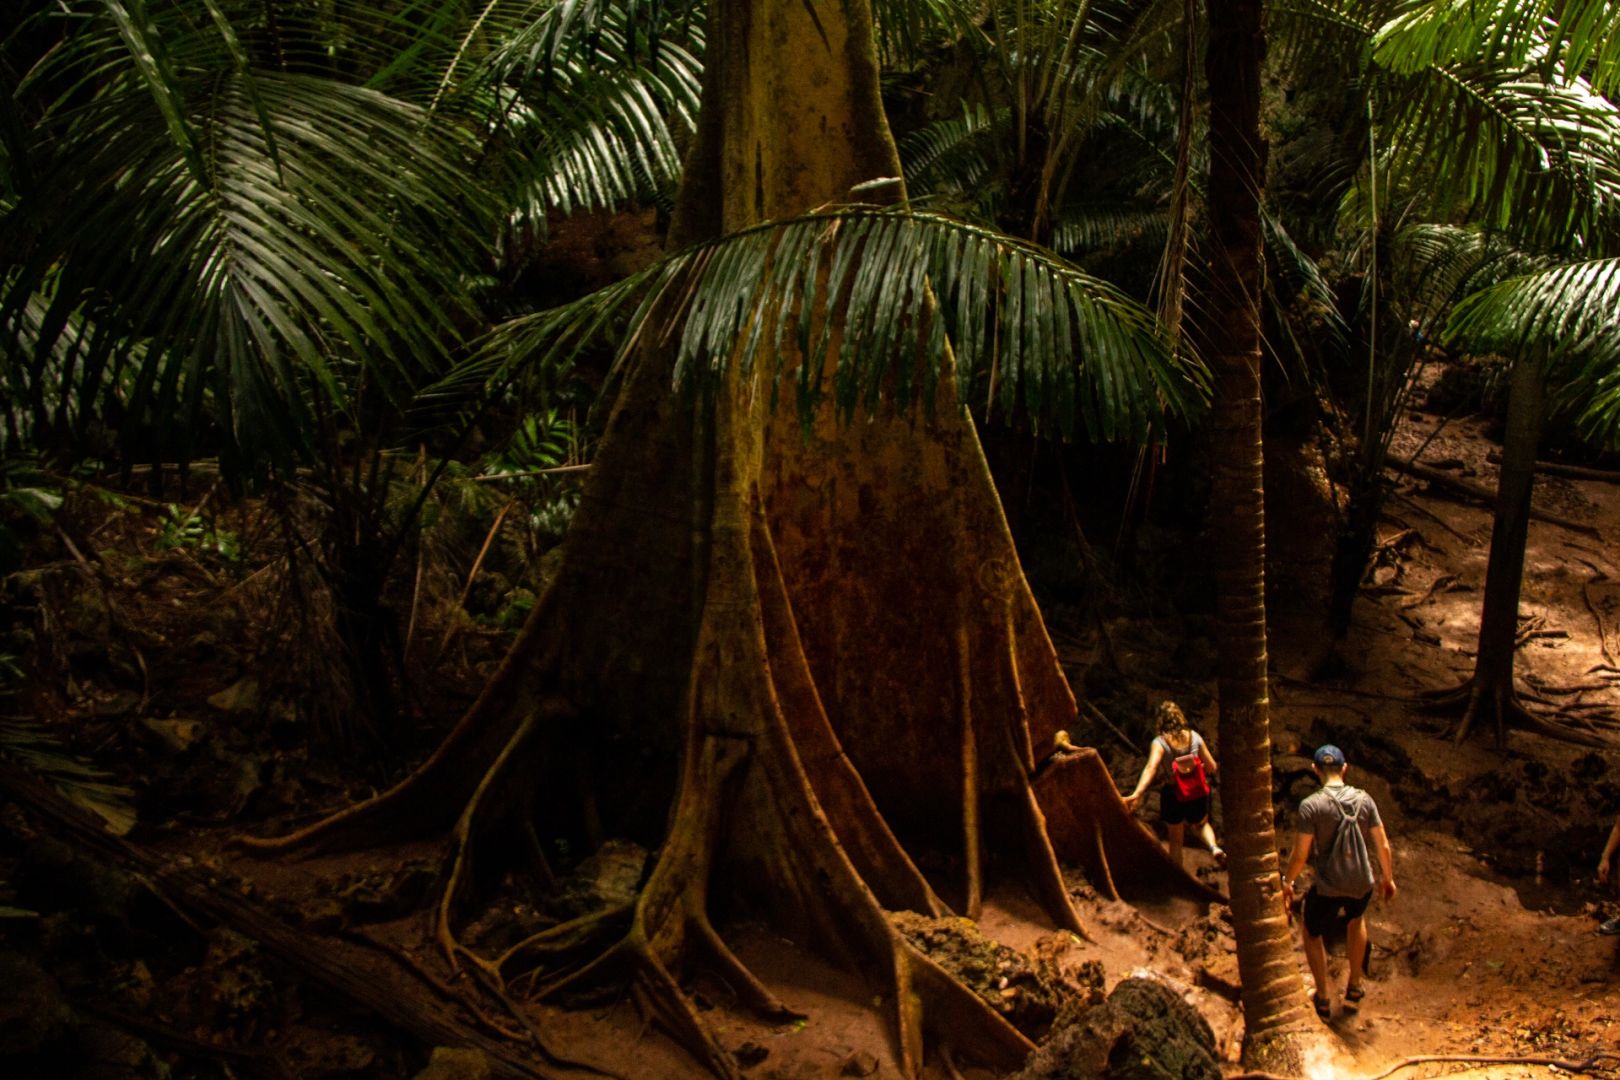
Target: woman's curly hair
1168 717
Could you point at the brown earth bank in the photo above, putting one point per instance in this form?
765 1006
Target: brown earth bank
167 668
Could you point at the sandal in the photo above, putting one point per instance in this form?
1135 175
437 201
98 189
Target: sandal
1352 997
1324 1007
1220 859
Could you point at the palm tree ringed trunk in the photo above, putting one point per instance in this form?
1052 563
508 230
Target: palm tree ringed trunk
1273 993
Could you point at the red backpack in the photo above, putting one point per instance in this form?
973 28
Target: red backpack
1188 773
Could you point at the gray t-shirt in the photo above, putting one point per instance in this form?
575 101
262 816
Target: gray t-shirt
1319 816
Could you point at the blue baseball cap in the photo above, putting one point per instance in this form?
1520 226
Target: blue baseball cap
1328 756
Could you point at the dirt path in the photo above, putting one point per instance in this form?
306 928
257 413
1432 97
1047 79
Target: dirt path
1477 955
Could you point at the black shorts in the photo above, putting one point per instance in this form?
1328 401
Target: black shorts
1173 811
1321 912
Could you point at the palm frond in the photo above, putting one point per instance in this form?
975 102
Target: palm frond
908 29
598 138
1550 36
252 289
1538 160
1436 266
870 298
1303 276
1106 225
957 154
41 752
1565 313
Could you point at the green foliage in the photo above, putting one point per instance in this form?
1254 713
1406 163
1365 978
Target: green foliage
1566 314
541 440
1491 112
28 501
1033 331
203 242
180 527
1508 34
591 102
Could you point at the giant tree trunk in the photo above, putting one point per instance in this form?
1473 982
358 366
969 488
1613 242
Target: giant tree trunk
792 659
1273 993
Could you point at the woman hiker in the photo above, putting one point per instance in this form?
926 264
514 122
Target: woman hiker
1182 764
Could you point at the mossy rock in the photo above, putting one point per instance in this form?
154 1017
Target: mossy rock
1144 1031
1027 992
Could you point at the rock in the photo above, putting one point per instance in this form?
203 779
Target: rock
750 1054
388 894
240 696
860 1063
177 735
1027 993
1144 1031
454 1063
609 878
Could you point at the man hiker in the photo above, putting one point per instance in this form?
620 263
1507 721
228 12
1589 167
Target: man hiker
1338 826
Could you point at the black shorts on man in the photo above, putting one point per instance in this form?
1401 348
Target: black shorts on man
1173 811
1321 912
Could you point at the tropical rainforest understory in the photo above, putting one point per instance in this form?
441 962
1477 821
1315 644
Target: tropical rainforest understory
522 532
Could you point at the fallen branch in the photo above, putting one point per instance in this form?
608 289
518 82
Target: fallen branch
1456 485
1574 472
1428 637
555 470
1527 636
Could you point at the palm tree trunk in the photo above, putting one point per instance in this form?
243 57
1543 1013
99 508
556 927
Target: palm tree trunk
1504 574
1273 992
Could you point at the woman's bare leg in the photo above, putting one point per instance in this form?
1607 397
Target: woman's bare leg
1177 833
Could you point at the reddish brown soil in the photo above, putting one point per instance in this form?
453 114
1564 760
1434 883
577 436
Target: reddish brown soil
1488 949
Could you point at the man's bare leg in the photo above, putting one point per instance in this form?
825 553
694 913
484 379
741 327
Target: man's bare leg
1316 957
1355 947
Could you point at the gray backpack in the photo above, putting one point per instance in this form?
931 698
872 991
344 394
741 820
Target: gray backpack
1346 868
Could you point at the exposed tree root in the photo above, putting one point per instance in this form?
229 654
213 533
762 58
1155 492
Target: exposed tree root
362 976
1584 1065
1502 708
1086 818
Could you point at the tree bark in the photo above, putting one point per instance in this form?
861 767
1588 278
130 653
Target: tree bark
787 658
1504 573
1273 993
